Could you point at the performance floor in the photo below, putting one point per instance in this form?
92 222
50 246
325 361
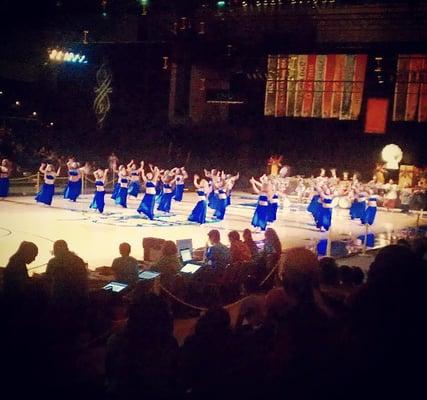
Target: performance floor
96 237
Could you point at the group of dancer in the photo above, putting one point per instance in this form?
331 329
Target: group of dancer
328 191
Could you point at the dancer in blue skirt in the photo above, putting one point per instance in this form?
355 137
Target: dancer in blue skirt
116 188
371 210
180 177
45 195
148 201
122 195
168 180
212 176
74 186
263 188
134 172
199 211
230 182
5 170
221 200
327 206
98 202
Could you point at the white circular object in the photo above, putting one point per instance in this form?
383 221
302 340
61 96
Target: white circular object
392 155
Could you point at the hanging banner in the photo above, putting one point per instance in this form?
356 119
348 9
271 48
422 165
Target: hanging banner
348 86
270 90
338 85
412 97
401 87
281 85
329 86
292 76
301 76
376 115
422 105
358 85
307 104
319 81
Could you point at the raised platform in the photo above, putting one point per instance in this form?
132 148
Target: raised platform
96 237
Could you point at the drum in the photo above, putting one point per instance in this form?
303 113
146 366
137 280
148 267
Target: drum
344 202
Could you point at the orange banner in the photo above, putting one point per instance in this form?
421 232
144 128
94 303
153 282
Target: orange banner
307 104
412 97
338 85
282 70
358 85
422 106
329 86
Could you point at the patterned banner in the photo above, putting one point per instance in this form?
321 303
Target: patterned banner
358 84
348 86
301 75
307 104
338 85
422 106
270 92
415 68
292 76
282 70
319 81
401 88
329 86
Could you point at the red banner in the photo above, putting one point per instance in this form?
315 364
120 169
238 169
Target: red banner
338 85
307 104
301 76
412 97
422 106
282 70
401 87
358 84
376 115
329 86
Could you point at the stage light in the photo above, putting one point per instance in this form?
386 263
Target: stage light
51 124
67 56
392 154
17 103
220 4
34 114
1 92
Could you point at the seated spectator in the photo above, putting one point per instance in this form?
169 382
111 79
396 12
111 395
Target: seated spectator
142 359
67 277
403 242
272 248
252 310
209 356
329 272
346 276
217 255
15 278
239 252
358 276
419 247
125 267
248 240
168 264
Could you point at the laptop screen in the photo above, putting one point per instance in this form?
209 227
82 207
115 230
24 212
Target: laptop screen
148 275
190 268
185 255
115 287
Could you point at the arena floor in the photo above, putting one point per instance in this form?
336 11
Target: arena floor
96 237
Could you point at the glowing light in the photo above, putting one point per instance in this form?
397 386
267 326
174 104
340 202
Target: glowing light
220 4
34 114
392 154
1 92
67 56
51 124
17 103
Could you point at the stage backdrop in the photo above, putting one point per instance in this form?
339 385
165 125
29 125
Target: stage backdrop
410 92
315 85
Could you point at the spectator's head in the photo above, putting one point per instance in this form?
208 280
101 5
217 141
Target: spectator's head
346 275
60 248
27 251
403 242
169 249
329 271
272 238
251 284
247 235
4 162
214 236
150 317
216 322
300 273
358 276
233 236
124 249
419 247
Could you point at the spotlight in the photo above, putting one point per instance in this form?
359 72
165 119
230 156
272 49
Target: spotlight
34 114
17 103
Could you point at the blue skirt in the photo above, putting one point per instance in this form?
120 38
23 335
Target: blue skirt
199 212
147 205
115 191
45 195
179 191
370 214
260 217
4 187
229 199
165 202
272 212
98 201
221 206
122 197
357 209
134 189
212 199
326 217
73 190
